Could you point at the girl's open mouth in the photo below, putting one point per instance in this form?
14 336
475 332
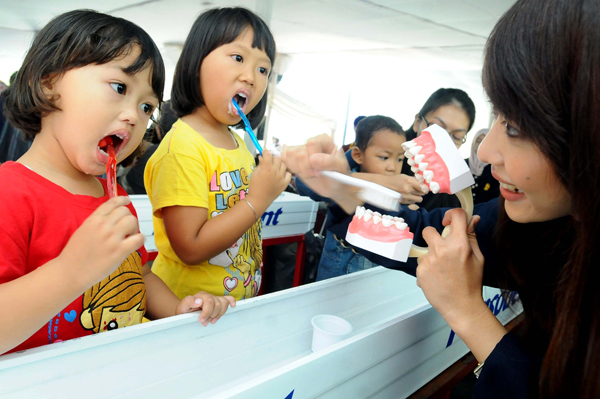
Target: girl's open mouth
116 140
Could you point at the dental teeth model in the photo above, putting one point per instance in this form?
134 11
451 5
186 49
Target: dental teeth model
381 234
436 162
439 168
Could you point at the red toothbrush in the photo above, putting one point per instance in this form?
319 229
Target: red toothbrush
111 166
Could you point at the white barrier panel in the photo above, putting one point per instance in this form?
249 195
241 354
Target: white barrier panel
290 214
260 349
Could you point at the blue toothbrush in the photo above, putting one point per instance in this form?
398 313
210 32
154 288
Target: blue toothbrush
248 127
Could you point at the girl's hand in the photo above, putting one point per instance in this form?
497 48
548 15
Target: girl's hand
267 181
102 242
406 185
451 273
213 307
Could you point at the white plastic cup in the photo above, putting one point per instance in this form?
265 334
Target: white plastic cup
328 330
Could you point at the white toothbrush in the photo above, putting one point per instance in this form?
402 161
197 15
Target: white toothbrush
372 193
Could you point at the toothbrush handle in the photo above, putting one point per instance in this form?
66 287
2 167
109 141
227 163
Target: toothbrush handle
254 140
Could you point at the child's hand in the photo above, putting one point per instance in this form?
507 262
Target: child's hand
102 242
267 181
406 185
451 273
213 307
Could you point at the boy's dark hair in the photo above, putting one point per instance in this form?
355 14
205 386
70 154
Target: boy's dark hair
213 29
455 97
72 40
370 125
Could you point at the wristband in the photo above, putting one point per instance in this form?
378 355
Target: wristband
251 207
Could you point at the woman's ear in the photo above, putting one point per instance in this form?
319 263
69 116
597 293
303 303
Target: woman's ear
416 124
357 155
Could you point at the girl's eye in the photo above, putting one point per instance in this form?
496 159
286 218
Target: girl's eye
263 71
119 88
147 108
384 158
238 58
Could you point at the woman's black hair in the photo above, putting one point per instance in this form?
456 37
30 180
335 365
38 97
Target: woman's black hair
441 97
371 125
542 74
212 29
72 40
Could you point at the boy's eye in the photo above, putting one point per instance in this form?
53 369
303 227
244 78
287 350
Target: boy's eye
119 88
263 71
511 131
147 108
238 58
384 158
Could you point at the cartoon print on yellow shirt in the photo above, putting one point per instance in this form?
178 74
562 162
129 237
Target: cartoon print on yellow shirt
243 260
117 301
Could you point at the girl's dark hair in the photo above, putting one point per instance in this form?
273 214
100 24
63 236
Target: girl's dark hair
72 40
370 125
542 73
212 29
442 97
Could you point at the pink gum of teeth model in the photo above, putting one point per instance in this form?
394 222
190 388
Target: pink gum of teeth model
381 234
439 168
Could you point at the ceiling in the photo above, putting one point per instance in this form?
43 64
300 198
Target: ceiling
453 30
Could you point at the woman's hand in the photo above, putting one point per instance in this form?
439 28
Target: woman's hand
451 273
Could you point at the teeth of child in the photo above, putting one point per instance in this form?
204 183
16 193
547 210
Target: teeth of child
428 175
102 151
387 222
424 188
423 166
367 216
419 158
400 225
242 95
411 162
435 187
119 136
376 219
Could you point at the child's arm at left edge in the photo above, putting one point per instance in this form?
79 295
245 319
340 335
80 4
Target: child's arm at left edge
161 302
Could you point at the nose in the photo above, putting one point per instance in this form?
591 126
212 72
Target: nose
130 114
489 150
247 75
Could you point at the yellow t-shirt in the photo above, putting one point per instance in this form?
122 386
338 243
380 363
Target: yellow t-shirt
186 170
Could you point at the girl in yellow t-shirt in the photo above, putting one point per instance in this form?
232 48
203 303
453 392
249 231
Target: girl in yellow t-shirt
207 194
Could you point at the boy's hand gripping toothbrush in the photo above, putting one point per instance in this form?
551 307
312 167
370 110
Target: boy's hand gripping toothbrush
111 166
248 127
439 168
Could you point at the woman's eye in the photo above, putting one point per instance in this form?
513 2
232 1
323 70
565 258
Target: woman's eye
147 108
119 88
263 71
511 131
238 58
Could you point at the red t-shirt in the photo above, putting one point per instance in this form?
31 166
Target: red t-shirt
37 218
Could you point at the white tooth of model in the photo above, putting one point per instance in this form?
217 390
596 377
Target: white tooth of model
414 169
400 225
424 188
419 178
423 166
376 219
367 216
435 187
377 214
419 158
411 162
428 175
361 212
387 222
